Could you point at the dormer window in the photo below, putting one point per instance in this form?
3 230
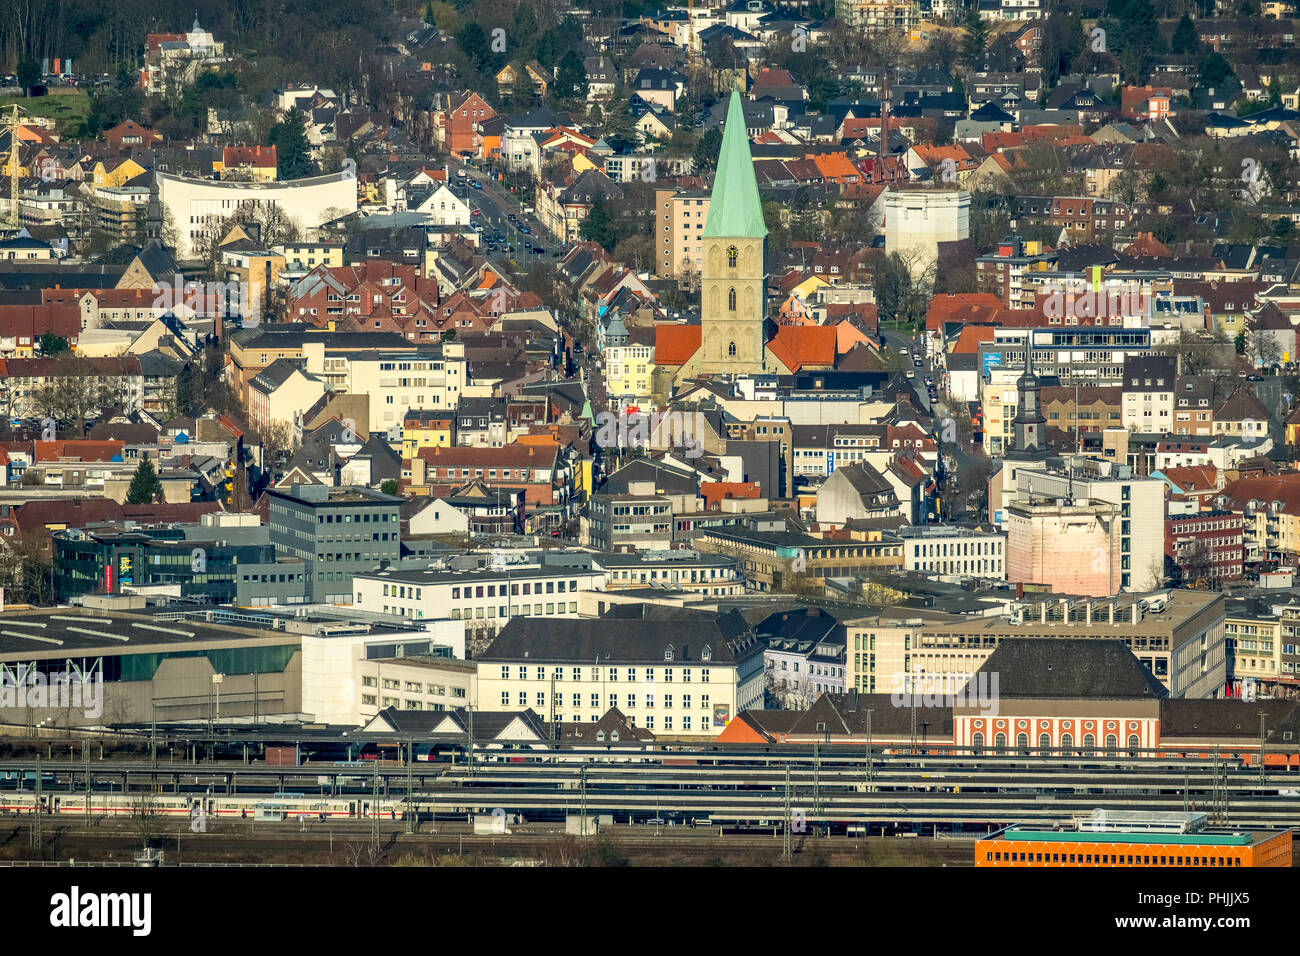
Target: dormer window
707 653
668 653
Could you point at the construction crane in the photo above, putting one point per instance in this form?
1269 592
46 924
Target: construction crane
690 39
12 124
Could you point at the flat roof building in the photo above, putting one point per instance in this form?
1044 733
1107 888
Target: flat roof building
1126 838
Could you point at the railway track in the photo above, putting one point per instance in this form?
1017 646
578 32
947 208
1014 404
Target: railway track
350 846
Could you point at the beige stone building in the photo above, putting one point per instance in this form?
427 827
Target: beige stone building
679 232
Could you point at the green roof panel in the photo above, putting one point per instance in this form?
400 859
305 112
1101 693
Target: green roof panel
735 208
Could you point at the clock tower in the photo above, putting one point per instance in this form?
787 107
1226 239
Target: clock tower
733 306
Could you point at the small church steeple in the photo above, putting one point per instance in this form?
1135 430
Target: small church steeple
1029 441
153 216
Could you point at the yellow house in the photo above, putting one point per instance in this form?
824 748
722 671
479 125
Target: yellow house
583 483
127 169
305 256
581 164
427 428
26 134
795 304
255 268
629 372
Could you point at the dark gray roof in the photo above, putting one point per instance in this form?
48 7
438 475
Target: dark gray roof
638 635
865 479
847 714
488 724
1181 717
1070 667
296 334
275 374
804 624
156 365
667 479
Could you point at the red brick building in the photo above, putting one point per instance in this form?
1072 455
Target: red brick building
534 469
460 123
1207 546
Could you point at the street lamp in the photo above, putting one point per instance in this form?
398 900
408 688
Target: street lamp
216 682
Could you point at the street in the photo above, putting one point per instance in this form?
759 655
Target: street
495 205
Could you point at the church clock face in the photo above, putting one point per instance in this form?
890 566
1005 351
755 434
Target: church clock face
732 255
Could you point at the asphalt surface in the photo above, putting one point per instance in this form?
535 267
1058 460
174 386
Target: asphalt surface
495 204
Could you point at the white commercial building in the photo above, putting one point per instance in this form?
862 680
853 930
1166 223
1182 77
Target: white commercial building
1136 504
488 598
955 552
334 656
676 677
431 377
198 206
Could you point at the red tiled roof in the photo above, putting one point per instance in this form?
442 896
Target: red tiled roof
256 156
83 450
1193 478
674 344
715 491
968 343
969 308
799 345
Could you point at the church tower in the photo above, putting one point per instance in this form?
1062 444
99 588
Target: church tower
1029 438
733 305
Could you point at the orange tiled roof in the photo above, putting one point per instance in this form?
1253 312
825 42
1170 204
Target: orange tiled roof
968 342
836 166
799 345
674 344
963 307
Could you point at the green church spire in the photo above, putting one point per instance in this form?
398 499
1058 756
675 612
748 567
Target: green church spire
735 208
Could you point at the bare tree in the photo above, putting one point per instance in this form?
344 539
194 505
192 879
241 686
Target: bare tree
146 821
277 440
273 225
72 391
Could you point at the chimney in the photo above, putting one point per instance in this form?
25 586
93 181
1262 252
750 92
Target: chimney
1111 608
1134 607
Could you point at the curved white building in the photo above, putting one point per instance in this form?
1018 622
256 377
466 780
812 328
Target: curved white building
919 217
197 205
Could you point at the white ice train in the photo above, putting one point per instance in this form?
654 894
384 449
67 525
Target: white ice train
270 807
